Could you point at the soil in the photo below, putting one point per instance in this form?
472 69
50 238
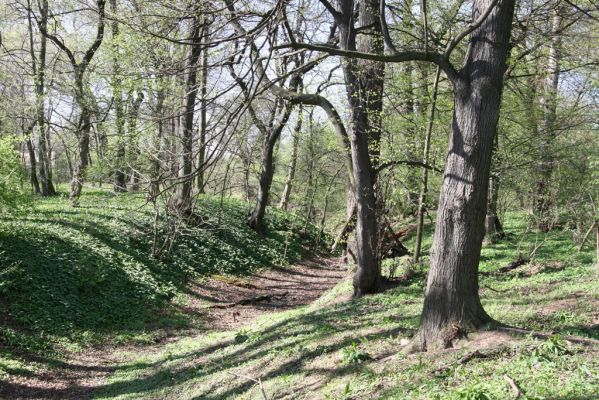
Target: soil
218 302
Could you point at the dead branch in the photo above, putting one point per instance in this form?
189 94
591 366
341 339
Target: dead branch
515 264
517 391
586 235
251 300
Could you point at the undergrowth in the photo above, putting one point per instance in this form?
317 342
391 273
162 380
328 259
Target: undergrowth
71 276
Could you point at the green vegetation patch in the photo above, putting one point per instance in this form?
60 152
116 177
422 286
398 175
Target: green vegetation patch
78 274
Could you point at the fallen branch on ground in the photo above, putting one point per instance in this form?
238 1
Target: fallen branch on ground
517 391
251 300
464 360
513 265
495 290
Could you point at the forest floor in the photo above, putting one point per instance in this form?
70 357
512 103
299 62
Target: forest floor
86 313
220 302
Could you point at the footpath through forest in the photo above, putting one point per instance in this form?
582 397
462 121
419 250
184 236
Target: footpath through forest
221 302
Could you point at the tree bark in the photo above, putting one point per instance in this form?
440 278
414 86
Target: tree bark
267 169
292 162
85 109
120 177
35 186
39 70
203 104
452 305
548 103
364 85
180 202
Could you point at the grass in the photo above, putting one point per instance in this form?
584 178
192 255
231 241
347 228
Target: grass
334 349
349 350
72 277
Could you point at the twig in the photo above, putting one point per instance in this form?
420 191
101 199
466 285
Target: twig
463 360
495 290
258 381
586 235
517 391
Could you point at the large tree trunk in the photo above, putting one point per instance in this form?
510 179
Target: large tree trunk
548 103
364 83
452 305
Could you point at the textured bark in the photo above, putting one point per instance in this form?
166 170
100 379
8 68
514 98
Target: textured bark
292 162
452 305
180 202
35 186
493 226
120 177
203 104
81 92
364 84
39 70
134 152
270 135
154 188
547 128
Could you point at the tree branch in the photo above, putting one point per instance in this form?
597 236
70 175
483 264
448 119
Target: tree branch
407 162
469 29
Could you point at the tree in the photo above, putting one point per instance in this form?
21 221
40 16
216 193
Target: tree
39 70
548 128
452 288
180 202
120 178
81 92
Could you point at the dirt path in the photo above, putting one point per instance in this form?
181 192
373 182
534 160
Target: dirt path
223 303
236 302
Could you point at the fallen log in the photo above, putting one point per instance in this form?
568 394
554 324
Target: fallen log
515 264
251 300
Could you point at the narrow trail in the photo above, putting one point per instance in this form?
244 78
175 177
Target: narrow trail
221 303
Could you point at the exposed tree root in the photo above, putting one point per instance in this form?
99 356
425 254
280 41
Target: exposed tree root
542 335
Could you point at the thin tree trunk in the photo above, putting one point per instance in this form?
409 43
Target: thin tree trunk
39 70
292 162
79 70
133 137
203 104
154 189
425 159
180 202
35 186
452 305
82 154
120 177
548 103
271 136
